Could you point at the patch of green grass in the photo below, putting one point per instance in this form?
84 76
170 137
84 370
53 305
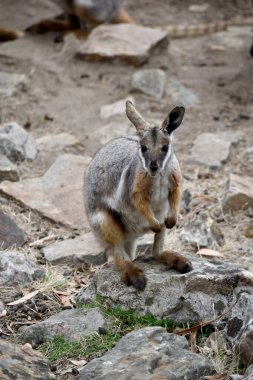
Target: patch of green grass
119 323
89 347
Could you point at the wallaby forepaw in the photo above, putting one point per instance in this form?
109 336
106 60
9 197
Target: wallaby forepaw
134 276
156 227
170 222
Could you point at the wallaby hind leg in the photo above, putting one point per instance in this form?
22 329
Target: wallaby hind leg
112 233
171 258
123 17
130 249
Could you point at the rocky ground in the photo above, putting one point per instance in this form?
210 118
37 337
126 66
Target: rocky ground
57 107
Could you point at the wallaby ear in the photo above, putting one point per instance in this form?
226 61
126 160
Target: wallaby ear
135 117
173 120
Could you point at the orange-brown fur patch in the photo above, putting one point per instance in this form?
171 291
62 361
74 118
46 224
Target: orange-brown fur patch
8 34
123 17
141 197
112 232
174 197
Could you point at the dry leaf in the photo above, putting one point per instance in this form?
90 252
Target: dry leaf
209 252
3 313
221 376
78 363
27 297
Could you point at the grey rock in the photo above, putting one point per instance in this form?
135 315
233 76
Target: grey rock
57 142
10 234
112 130
238 194
16 143
8 170
58 194
82 249
17 269
114 109
133 44
249 373
179 94
149 353
201 232
239 328
210 150
2 307
71 324
150 82
194 296
22 362
10 84
185 200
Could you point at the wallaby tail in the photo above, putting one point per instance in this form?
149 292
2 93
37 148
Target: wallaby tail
8 34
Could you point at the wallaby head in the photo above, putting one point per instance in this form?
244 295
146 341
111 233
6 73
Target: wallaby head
155 143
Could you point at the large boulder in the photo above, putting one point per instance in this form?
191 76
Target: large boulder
22 362
210 288
149 353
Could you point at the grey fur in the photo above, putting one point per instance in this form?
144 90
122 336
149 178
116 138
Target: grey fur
110 179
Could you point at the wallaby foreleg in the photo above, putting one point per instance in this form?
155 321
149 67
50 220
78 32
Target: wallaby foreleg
174 198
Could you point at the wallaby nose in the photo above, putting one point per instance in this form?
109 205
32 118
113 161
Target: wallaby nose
153 166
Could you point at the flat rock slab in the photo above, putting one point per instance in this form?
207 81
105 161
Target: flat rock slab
239 193
8 170
17 269
10 84
112 130
71 324
194 296
150 82
16 144
212 149
21 362
149 353
82 249
133 44
58 194
57 142
10 234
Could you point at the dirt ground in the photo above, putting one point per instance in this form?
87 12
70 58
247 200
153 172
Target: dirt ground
216 67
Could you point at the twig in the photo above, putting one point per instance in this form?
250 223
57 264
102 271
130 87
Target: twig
37 243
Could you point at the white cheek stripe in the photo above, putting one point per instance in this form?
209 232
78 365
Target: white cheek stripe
142 160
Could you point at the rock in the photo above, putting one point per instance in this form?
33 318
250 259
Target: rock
57 142
249 373
58 194
17 269
198 8
22 362
202 231
239 328
249 155
239 193
16 143
10 84
133 44
185 200
148 353
179 94
196 296
10 234
2 308
149 82
71 324
82 249
114 109
210 150
112 130
8 170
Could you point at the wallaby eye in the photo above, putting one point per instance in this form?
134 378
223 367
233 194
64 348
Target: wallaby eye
165 148
143 148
